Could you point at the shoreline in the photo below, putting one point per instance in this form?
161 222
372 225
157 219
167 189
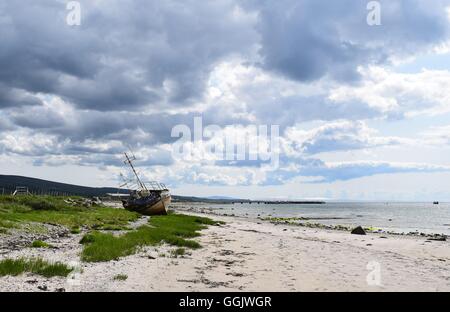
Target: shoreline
254 255
203 209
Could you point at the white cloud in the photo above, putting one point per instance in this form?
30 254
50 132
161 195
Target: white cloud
438 136
399 94
335 136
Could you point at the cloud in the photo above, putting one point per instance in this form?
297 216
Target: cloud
337 136
13 97
123 56
132 71
352 170
399 95
437 136
307 40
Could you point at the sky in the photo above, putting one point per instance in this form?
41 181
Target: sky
356 96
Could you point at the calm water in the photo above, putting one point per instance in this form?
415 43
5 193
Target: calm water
405 217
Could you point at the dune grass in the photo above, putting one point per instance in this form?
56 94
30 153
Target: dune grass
120 277
178 252
174 229
15 267
54 210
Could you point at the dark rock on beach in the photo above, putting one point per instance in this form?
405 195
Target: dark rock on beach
440 238
358 231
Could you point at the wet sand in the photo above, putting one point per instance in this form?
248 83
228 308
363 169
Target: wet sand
252 255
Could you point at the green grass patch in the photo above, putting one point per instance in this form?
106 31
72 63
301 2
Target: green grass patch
40 244
173 229
120 277
7 224
114 227
57 210
75 230
178 252
15 267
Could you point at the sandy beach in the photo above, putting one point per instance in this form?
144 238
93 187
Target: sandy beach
254 255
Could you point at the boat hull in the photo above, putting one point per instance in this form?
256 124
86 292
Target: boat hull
158 207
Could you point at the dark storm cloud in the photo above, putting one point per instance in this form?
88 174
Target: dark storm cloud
133 128
286 111
306 40
124 55
12 97
128 55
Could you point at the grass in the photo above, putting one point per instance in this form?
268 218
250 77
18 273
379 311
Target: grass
178 252
75 230
6 225
35 228
120 277
173 229
15 267
40 244
54 210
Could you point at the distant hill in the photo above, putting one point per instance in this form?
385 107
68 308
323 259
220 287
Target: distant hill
218 200
37 186
222 198
9 183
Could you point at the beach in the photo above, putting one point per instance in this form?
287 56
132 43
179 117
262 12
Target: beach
248 254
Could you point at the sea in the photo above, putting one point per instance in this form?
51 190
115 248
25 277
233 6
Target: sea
399 217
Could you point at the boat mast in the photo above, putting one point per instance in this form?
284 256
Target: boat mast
128 160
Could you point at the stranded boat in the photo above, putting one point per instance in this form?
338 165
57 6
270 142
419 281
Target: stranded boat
152 198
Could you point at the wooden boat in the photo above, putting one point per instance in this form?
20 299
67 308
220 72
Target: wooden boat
152 198
155 202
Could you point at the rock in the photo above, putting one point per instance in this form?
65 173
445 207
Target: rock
60 290
358 231
43 288
440 238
